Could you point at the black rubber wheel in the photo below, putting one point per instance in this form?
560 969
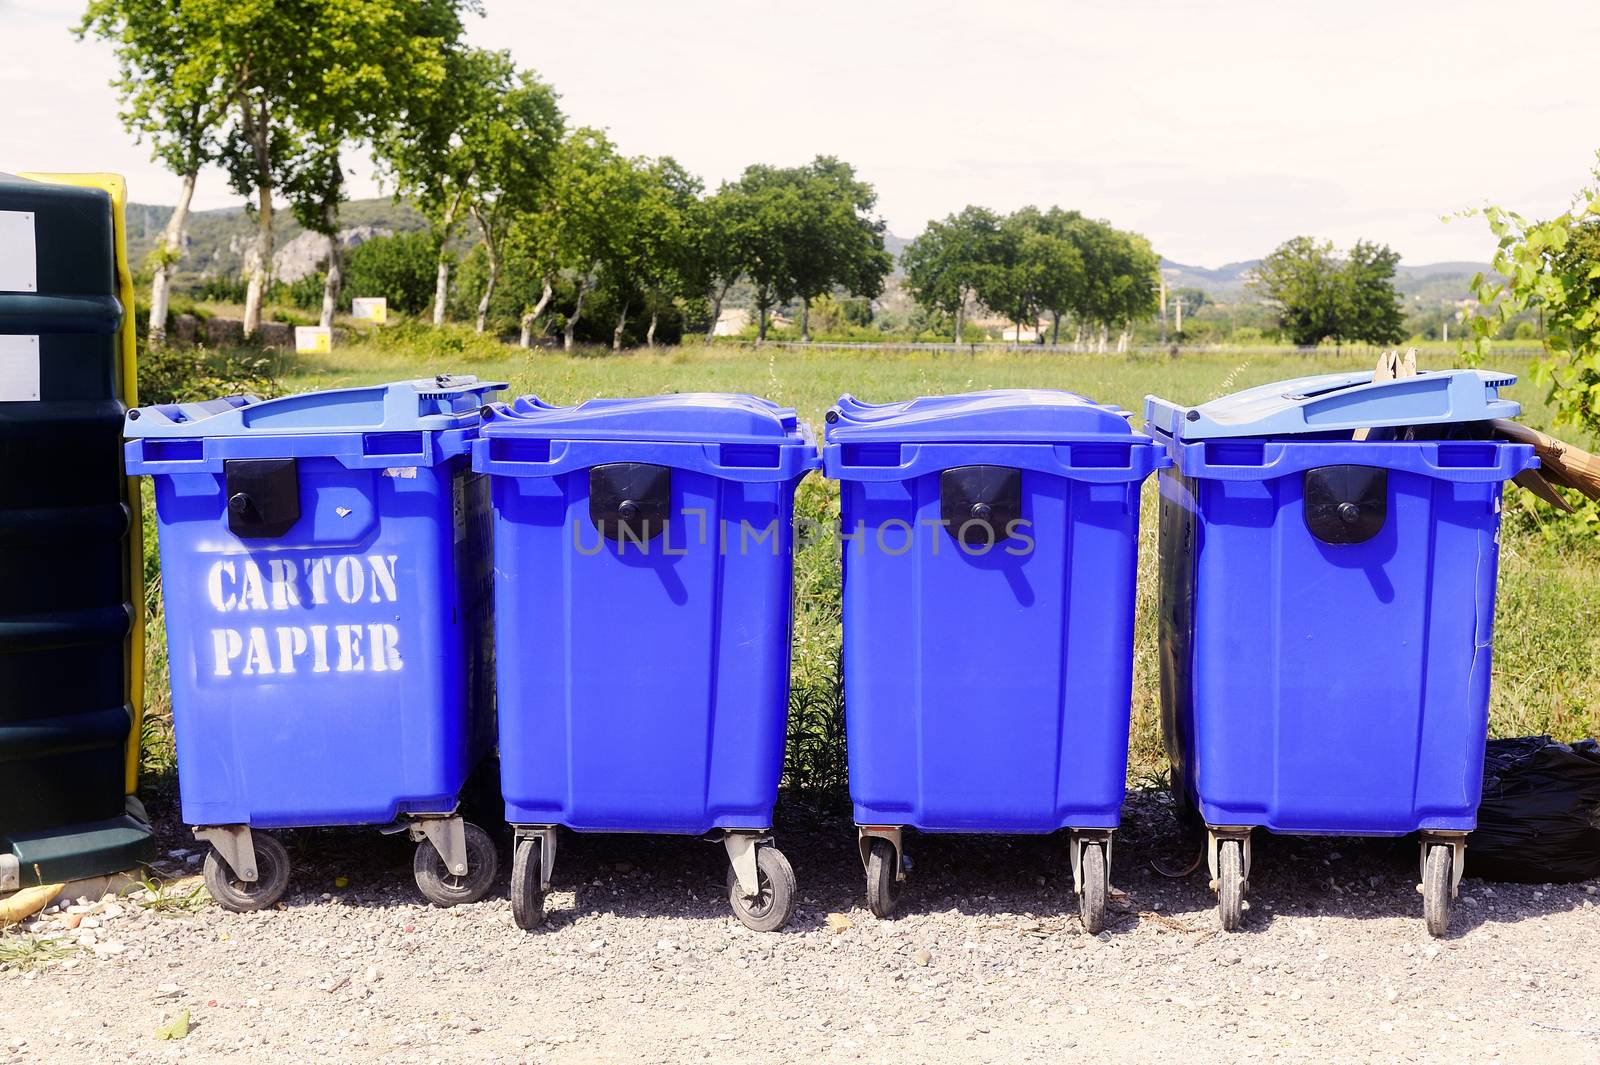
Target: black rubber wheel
1095 879
241 896
527 890
773 905
442 888
883 881
1436 874
1230 884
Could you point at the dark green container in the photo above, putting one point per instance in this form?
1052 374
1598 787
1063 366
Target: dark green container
71 671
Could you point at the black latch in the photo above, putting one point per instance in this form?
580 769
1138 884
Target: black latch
979 503
263 496
630 501
1346 504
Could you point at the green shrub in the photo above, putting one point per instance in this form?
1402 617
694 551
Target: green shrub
401 269
185 374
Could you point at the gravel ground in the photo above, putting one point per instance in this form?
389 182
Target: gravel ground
642 961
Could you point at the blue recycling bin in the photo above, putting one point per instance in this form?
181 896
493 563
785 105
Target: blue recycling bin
1328 549
325 563
990 546
644 576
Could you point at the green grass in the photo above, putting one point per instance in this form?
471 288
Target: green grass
1547 632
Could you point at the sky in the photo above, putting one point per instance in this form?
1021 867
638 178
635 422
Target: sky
1217 129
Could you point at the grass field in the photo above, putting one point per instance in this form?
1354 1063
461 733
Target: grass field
1548 623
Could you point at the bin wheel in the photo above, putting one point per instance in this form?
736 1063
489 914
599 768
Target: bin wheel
527 888
883 880
773 905
1230 884
1436 876
442 888
1095 879
241 896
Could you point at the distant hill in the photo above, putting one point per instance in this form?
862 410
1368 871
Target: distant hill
1227 283
217 239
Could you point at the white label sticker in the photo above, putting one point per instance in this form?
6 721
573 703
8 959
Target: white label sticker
19 257
19 369
403 473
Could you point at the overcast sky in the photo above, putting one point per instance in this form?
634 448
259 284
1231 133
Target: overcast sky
1216 129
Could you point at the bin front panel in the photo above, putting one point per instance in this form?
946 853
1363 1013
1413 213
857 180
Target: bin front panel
1323 687
988 690
321 677
643 686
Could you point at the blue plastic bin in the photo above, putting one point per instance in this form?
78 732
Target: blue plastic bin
1326 608
325 563
644 574
991 541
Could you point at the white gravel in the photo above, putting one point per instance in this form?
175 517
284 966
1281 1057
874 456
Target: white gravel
641 961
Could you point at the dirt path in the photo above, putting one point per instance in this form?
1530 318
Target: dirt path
642 962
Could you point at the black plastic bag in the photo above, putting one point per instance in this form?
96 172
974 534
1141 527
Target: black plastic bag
1539 822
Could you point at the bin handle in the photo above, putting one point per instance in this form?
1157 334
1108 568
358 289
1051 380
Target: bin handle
1288 457
1144 457
795 459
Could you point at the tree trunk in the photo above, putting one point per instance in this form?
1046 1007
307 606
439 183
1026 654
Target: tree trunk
1077 337
650 334
441 288
487 227
1122 340
761 324
335 275
532 316
257 292
171 248
961 306
1055 328
805 320
333 282
622 323
1016 337
570 339
716 309
1104 330
441 279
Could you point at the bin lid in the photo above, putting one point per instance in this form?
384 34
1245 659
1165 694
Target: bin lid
1339 401
687 417
1012 415
400 406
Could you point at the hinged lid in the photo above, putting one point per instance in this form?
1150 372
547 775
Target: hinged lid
1009 415
1337 402
690 417
440 402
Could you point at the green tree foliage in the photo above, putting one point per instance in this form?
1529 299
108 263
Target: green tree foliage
400 269
1551 268
437 155
1320 296
944 265
173 96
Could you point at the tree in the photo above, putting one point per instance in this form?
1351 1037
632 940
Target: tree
518 136
944 265
668 244
592 198
1371 300
174 96
763 201
1321 296
532 263
436 154
715 251
1552 269
1062 275
1011 283
832 237
378 55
